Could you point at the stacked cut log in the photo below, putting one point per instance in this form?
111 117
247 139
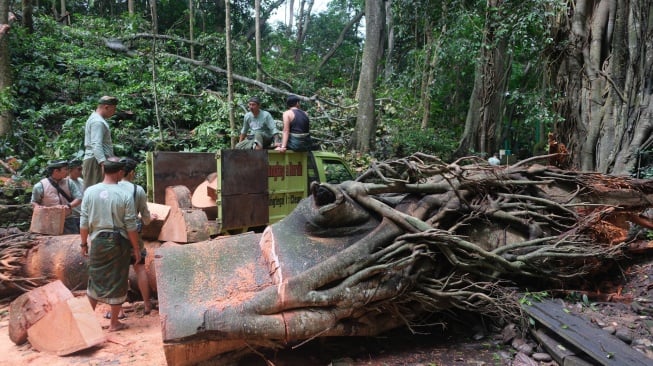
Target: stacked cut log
40 315
185 224
206 195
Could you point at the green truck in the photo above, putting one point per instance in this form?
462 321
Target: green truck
252 188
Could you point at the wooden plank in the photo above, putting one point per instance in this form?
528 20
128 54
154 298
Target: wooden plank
558 351
179 168
602 347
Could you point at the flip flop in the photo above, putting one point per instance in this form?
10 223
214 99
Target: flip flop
107 315
121 326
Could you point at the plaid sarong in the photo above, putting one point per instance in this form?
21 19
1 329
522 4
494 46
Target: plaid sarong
108 269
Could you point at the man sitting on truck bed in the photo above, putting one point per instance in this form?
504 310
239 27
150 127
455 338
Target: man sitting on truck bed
259 129
296 135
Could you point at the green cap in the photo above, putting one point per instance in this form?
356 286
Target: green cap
108 100
74 163
56 164
113 166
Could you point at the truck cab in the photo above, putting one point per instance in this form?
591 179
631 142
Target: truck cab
252 188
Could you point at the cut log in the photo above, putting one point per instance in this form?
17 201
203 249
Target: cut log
205 196
152 230
71 326
48 220
58 258
185 226
51 258
178 197
31 306
188 277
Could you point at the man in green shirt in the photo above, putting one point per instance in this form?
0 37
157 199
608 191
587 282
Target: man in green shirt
97 140
109 237
259 129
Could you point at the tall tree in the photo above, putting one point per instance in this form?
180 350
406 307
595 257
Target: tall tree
6 115
257 17
291 17
364 131
230 75
155 17
605 73
28 18
191 28
303 22
485 111
391 40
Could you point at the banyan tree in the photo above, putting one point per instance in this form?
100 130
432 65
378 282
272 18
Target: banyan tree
409 240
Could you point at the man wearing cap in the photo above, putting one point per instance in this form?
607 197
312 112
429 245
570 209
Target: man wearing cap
54 190
75 179
97 140
296 135
108 237
259 129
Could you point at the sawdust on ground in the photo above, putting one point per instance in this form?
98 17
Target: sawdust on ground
140 344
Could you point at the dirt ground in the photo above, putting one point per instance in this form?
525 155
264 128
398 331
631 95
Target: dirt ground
141 343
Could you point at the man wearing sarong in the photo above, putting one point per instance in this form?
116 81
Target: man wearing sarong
108 231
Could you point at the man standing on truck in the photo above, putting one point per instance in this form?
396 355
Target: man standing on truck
259 129
296 134
97 140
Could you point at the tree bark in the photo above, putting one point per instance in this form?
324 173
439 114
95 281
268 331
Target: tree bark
230 74
28 18
191 28
291 17
483 123
155 16
302 28
391 41
608 111
363 137
6 115
257 20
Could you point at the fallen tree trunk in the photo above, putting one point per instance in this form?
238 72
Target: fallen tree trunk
28 261
411 241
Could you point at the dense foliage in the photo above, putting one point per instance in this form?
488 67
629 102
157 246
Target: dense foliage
170 104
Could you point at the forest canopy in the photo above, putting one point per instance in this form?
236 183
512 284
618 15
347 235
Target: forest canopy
456 78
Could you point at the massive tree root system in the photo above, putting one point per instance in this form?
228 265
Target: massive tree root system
416 237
